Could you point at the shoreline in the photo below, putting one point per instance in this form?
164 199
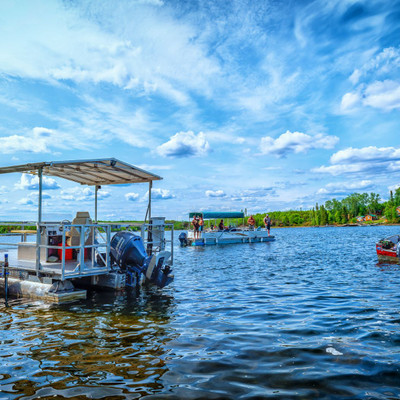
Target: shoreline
333 226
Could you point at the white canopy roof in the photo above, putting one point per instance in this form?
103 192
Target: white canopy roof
109 171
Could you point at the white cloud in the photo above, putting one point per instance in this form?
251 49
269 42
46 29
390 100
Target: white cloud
350 100
383 95
83 194
28 182
355 76
148 167
296 142
131 196
39 140
141 46
184 144
394 166
160 194
394 187
340 169
383 63
215 193
26 201
375 87
375 160
345 187
371 153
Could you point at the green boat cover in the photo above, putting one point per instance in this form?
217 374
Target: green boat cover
217 214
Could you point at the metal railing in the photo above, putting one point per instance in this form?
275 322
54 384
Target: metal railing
155 243
152 239
92 246
87 253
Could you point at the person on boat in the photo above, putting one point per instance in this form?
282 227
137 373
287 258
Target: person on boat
221 226
267 223
201 225
212 227
251 222
195 224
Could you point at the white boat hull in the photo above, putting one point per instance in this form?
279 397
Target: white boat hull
230 237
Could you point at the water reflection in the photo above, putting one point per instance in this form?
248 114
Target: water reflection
109 340
310 316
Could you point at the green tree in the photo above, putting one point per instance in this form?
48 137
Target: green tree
374 205
323 215
396 198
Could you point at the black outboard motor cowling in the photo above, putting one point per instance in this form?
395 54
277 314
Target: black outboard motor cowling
128 251
183 239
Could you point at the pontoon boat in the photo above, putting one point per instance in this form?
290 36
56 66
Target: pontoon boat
229 234
83 252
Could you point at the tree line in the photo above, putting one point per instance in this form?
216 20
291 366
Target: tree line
332 212
339 212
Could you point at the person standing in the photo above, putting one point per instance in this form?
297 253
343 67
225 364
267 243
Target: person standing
251 222
267 223
195 224
201 225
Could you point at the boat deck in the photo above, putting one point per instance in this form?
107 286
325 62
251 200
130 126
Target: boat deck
72 268
232 237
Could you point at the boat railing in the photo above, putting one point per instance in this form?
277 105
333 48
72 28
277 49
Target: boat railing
154 239
152 234
90 243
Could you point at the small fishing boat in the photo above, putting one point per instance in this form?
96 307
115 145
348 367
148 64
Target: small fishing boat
229 234
388 249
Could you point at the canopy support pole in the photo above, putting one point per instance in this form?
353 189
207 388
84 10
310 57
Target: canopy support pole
38 229
150 227
150 187
96 188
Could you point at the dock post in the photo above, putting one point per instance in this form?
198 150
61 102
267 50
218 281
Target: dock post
5 269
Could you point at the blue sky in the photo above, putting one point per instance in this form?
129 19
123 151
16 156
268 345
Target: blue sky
263 105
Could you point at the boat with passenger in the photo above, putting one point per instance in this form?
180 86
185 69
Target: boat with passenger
66 256
219 230
388 249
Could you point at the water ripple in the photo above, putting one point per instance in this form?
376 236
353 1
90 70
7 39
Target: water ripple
310 316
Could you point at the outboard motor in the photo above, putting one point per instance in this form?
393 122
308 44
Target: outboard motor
183 239
128 251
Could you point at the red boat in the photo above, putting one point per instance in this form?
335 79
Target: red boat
388 249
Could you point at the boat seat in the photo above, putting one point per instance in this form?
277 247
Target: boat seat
73 237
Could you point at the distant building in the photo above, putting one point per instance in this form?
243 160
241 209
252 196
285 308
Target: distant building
398 210
360 218
371 217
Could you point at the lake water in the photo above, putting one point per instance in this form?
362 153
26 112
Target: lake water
309 316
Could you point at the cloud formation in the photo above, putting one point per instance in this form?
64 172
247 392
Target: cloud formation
372 159
140 37
83 194
374 83
38 140
132 196
383 95
29 182
184 144
296 142
161 194
346 187
215 193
